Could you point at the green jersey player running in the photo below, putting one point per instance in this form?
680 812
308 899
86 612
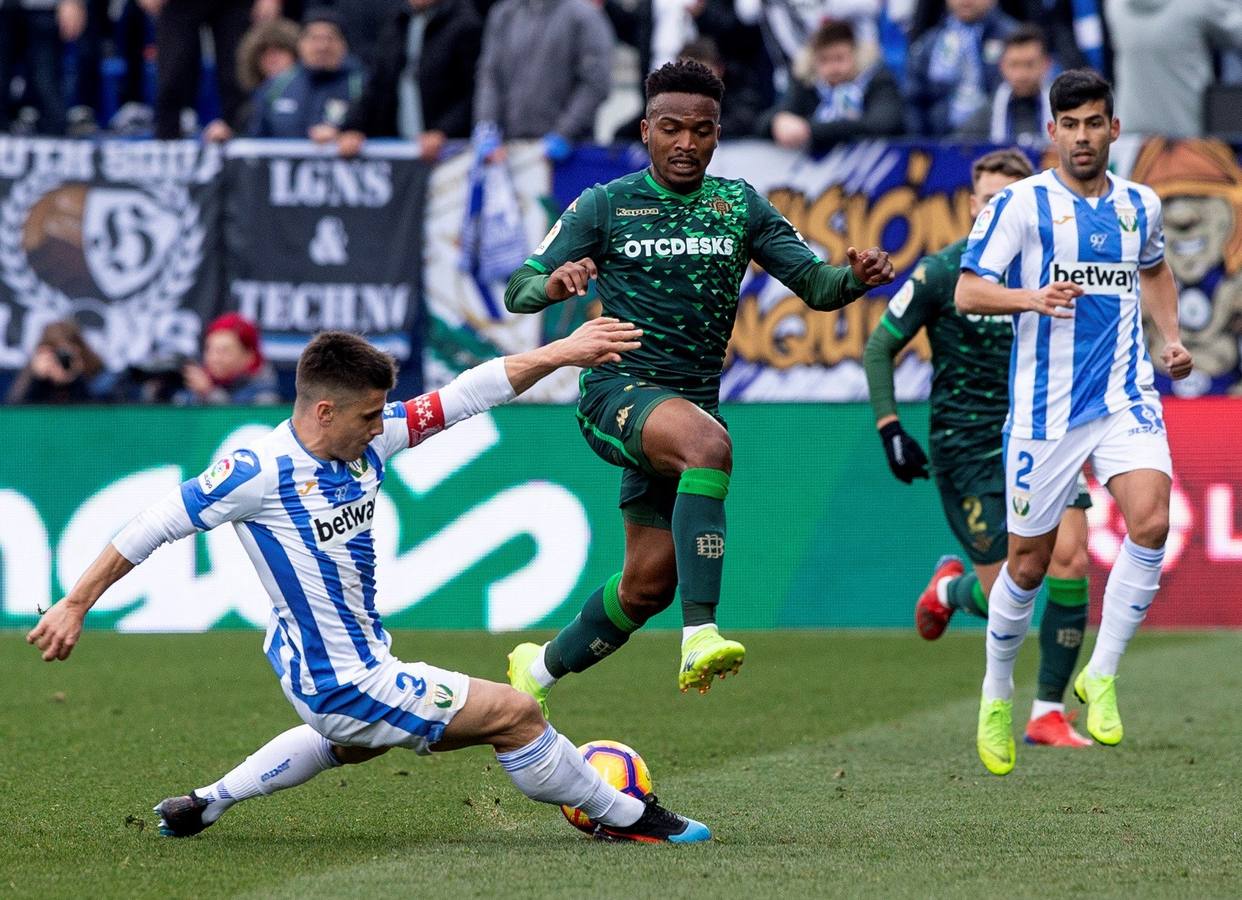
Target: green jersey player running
668 247
969 402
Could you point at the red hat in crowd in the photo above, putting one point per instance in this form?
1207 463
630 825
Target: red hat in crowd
245 330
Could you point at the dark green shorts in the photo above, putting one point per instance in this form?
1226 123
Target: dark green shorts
973 496
611 414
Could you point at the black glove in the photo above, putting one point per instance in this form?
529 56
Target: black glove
905 457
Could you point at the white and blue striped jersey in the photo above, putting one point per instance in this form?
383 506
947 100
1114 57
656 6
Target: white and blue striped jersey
1065 372
306 524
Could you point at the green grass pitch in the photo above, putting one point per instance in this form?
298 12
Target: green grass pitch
836 764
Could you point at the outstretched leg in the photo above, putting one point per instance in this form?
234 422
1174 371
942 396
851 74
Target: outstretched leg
287 760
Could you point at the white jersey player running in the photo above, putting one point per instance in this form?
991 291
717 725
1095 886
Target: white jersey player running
1069 253
302 501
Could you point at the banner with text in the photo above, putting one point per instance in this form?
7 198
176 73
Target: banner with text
315 242
467 539
121 236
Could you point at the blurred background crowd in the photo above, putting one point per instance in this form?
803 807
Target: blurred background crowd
805 74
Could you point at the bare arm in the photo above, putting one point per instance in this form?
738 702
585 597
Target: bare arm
976 295
599 341
59 628
1159 292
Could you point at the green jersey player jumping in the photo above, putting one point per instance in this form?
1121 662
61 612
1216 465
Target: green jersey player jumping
668 247
969 402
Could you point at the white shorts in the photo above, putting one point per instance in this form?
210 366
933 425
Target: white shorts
396 704
1041 477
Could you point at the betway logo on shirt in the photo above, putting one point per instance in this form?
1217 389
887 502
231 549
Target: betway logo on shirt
334 527
689 246
1098 277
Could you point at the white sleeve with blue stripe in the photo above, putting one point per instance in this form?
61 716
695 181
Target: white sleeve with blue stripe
997 237
232 489
1152 252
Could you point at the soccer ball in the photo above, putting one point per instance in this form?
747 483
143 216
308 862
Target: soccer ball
621 767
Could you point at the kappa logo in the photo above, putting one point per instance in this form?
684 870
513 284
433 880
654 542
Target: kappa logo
623 212
623 416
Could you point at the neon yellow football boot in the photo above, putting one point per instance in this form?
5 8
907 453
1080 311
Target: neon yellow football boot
995 736
520 677
706 655
1099 692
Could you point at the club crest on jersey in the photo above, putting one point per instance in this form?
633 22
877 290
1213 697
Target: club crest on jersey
216 475
1127 218
724 207
359 467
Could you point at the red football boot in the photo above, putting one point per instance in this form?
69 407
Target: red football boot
1054 729
931 617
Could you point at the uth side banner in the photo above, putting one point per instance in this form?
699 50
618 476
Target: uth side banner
507 521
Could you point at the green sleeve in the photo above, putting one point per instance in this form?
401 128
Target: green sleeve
914 305
579 232
882 348
776 245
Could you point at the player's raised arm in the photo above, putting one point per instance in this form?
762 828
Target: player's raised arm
561 265
498 381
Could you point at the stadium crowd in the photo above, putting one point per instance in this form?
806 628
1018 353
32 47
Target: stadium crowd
806 74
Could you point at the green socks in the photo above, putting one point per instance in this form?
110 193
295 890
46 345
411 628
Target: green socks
1060 635
965 593
594 633
698 542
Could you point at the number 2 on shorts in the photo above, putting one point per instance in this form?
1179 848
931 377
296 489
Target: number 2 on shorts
1027 462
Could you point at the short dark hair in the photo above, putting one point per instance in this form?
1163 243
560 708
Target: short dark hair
1075 87
340 362
686 76
832 31
1027 33
1011 162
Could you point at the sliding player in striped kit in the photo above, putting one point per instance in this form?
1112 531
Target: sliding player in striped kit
1069 252
302 500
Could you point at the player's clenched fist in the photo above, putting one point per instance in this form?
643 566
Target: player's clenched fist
872 267
1177 360
570 280
1056 299
599 341
57 632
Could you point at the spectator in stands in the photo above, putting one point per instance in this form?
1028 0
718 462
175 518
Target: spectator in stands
311 98
1162 58
953 67
62 369
1018 110
788 26
545 68
177 24
31 35
421 84
268 50
741 115
233 369
839 101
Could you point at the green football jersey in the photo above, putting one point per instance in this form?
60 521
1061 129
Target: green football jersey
673 265
970 360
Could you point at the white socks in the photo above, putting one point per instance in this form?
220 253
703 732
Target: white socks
539 669
550 769
1043 707
1131 587
1009 617
689 631
287 760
